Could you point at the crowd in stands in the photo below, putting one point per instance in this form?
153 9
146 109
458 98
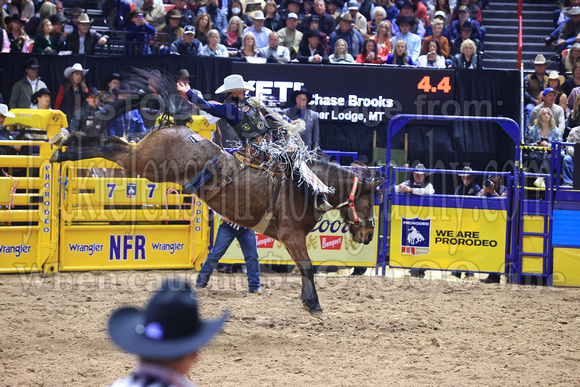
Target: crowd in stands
281 30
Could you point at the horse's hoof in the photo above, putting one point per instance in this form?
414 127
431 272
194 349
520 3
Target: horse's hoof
318 314
55 158
58 139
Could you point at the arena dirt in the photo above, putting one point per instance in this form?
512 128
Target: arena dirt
378 331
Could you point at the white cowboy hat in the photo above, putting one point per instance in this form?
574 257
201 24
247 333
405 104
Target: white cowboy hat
555 75
421 167
466 171
4 111
234 82
258 15
76 67
541 60
84 18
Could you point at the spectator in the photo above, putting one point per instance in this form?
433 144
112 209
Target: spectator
4 42
235 9
19 41
457 26
345 31
442 40
370 53
341 54
23 8
187 44
202 26
184 77
129 125
154 14
226 234
360 22
326 23
83 34
187 16
416 26
379 14
549 101
466 33
86 121
59 7
249 48
41 99
439 15
421 12
555 81
572 82
171 31
467 58
384 39
213 47
294 6
194 6
311 134
112 81
47 9
5 134
23 89
444 7
57 31
570 30
273 21
44 43
568 164
334 8
232 39
390 8
311 50
572 58
433 58
289 36
166 336
274 52
542 134
413 41
473 9
218 17
71 96
400 55
139 35
261 33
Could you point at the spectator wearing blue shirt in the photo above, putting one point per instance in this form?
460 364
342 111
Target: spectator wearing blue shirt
413 41
260 32
218 17
129 125
353 38
408 9
139 35
439 15
187 44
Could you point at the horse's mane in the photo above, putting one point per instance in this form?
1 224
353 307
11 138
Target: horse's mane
164 86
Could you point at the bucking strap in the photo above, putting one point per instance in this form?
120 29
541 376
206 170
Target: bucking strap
193 186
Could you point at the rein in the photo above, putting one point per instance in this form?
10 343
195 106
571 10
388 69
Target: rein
356 221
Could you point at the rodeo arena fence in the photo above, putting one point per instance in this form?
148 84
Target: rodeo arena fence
92 215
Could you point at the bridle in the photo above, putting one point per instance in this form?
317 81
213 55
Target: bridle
356 221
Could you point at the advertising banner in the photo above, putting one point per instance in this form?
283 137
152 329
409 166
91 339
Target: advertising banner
330 243
448 238
376 94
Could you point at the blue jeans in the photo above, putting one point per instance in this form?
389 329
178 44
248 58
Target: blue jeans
225 236
568 169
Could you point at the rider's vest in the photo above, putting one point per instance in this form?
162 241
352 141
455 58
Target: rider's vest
252 125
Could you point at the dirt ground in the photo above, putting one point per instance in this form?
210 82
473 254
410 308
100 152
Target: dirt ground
392 330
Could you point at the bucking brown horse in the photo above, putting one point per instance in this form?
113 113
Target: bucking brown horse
275 205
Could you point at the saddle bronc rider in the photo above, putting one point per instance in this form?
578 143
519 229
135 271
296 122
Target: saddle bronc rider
252 120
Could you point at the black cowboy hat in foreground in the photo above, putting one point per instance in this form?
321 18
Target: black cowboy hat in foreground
168 328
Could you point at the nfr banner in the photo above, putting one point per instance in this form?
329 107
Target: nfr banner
374 95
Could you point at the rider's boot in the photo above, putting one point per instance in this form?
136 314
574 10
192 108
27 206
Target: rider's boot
321 204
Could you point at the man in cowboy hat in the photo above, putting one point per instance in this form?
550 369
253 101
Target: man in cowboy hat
260 32
408 10
456 25
570 30
312 50
171 31
129 125
466 33
41 99
413 41
310 135
535 83
112 81
23 89
353 38
86 121
83 40
326 23
469 186
5 134
166 336
187 15
251 121
184 77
